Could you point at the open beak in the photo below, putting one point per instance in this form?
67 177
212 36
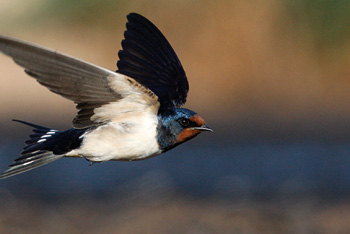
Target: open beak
203 128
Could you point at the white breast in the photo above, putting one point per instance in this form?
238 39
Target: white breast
128 137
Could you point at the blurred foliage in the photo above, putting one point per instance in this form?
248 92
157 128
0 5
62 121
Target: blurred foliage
327 21
82 11
324 22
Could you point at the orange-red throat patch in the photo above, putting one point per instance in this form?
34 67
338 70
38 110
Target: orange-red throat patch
187 134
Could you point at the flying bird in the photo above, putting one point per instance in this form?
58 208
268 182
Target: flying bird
132 114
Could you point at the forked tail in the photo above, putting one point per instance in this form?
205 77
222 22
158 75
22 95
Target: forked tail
39 150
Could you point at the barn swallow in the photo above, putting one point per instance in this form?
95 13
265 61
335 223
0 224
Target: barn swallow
132 114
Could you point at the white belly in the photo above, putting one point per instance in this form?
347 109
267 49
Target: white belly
132 138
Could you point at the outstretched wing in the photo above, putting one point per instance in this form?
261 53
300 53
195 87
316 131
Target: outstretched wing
91 87
148 57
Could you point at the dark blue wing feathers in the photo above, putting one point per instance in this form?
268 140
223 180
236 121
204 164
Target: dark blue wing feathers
148 57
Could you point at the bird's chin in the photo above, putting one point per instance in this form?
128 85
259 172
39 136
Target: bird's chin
189 133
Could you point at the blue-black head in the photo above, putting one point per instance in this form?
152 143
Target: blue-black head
178 125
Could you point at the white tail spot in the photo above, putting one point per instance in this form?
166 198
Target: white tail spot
45 136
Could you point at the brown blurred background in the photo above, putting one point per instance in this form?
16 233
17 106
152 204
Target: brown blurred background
281 63
271 77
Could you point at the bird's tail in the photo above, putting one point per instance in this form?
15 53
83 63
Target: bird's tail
36 152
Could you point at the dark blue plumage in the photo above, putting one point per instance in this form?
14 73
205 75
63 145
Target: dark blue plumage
172 122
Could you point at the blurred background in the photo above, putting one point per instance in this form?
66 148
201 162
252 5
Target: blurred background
270 77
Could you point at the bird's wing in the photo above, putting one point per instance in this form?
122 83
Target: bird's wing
91 87
148 57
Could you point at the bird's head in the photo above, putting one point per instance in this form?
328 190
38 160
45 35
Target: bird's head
177 126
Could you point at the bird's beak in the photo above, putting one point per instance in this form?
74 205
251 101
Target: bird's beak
203 128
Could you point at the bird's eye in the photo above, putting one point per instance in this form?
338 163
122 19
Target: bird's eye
184 122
